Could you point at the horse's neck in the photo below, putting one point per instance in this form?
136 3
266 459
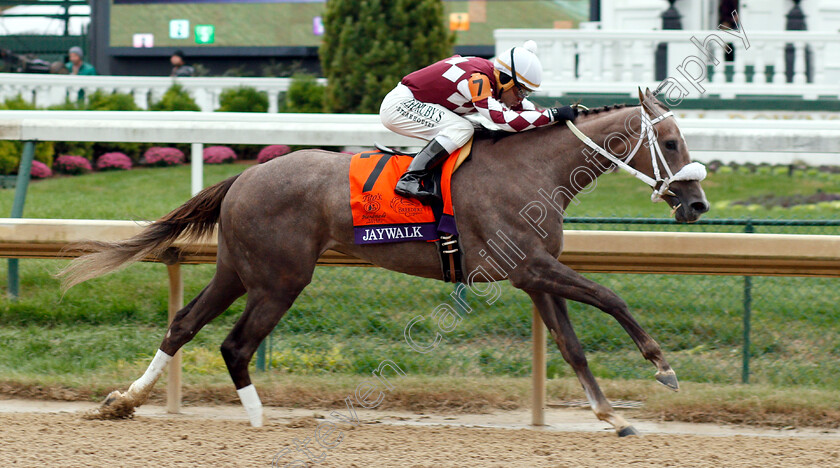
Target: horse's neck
552 157
581 163
610 128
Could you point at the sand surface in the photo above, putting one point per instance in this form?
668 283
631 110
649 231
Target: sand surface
54 434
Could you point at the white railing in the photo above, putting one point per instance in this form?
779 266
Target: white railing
585 61
49 90
199 128
776 141
585 251
775 136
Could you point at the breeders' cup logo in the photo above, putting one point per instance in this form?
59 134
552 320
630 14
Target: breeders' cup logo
406 206
371 202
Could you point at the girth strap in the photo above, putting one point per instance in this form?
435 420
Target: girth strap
451 259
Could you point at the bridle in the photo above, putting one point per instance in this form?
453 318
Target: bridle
659 184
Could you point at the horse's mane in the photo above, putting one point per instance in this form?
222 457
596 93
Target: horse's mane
598 110
482 132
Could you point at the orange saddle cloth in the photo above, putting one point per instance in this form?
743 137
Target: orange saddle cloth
380 215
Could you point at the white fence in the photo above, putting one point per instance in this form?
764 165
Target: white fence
777 136
49 90
587 61
815 142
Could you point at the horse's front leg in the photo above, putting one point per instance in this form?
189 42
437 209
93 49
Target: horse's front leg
556 317
543 273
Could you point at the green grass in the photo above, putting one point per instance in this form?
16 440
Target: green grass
619 195
144 193
107 329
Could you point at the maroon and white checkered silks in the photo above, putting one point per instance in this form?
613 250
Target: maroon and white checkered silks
446 83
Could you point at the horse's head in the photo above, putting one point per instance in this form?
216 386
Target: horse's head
664 158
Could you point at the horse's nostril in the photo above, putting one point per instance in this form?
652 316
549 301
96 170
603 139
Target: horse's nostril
700 206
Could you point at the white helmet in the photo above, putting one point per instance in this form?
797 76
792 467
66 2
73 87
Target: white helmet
521 64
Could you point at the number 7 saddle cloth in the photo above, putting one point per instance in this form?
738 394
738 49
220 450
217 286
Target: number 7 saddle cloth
380 215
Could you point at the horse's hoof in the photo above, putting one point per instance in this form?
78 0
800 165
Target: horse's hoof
668 379
117 405
112 397
628 431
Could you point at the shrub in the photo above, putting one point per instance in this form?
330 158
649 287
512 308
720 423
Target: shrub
243 99
132 150
102 101
72 165
176 98
305 95
10 152
270 152
363 61
218 155
44 152
16 103
113 161
40 170
68 104
81 148
246 151
159 156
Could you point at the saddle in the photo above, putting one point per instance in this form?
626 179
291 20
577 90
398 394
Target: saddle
463 153
380 215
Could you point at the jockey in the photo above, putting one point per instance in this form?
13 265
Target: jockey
430 104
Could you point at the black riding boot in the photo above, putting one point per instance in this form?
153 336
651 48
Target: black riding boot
417 182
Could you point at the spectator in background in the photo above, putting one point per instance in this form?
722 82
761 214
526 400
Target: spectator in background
179 68
76 66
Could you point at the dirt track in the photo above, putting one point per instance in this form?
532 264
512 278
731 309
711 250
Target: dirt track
50 439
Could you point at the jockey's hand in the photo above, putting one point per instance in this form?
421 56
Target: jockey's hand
561 114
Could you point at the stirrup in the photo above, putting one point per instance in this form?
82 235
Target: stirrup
424 196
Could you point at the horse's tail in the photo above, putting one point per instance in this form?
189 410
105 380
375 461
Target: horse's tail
194 219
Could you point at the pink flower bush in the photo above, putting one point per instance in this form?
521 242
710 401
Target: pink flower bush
159 156
270 152
218 155
40 170
113 161
72 165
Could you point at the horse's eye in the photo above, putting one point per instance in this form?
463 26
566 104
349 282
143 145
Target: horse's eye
671 145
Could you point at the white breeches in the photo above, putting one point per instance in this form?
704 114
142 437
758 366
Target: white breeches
403 114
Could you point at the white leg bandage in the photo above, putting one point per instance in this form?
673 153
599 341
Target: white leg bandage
253 406
149 378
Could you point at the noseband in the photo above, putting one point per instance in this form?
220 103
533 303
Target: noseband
659 184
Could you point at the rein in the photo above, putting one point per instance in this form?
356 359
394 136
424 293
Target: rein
691 171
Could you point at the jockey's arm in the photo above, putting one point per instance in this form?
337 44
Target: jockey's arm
527 105
480 93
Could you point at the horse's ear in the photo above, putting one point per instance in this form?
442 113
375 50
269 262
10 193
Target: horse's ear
659 89
647 100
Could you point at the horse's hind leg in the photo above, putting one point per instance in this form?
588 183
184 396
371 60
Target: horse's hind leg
556 317
224 288
266 306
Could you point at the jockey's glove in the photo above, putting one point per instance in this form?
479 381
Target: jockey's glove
561 114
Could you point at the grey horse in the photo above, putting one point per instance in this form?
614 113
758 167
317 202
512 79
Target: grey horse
276 219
